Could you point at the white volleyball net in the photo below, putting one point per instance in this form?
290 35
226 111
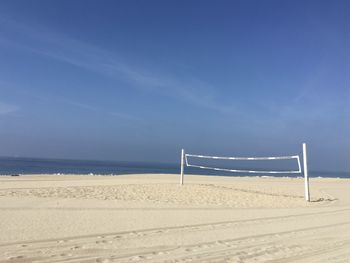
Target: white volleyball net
213 163
294 158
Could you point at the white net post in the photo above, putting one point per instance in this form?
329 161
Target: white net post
182 167
306 176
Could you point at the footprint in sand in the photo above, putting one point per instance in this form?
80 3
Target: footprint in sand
102 242
22 245
136 258
17 257
75 247
66 255
102 260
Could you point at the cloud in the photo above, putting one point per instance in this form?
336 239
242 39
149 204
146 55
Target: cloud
7 108
77 104
98 110
64 49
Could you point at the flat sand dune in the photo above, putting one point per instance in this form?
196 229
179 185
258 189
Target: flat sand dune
151 218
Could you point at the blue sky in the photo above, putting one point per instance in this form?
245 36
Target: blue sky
139 80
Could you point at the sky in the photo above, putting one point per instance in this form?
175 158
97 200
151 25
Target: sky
140 80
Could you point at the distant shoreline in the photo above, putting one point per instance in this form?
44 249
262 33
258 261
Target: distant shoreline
35 166
192 174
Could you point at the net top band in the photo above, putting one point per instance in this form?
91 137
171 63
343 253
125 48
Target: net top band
244 158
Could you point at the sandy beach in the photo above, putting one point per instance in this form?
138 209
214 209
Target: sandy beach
151 218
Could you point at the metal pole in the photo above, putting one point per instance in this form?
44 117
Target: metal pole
306 177
182 167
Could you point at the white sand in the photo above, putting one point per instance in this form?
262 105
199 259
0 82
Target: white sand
150 218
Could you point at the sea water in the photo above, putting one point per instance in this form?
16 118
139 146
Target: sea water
11 166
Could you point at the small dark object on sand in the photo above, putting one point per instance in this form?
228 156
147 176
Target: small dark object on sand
14 174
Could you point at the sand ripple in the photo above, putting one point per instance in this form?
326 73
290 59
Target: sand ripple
190 194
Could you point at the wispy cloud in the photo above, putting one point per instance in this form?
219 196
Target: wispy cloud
7 108
98 110
62 48
84 106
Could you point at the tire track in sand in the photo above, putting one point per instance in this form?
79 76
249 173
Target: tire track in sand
254 248
92 248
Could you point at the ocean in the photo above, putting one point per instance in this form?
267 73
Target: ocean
11 166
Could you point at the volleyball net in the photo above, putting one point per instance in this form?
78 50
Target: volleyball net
292 157
187 160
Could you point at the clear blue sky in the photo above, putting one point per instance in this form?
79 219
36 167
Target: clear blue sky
139 80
